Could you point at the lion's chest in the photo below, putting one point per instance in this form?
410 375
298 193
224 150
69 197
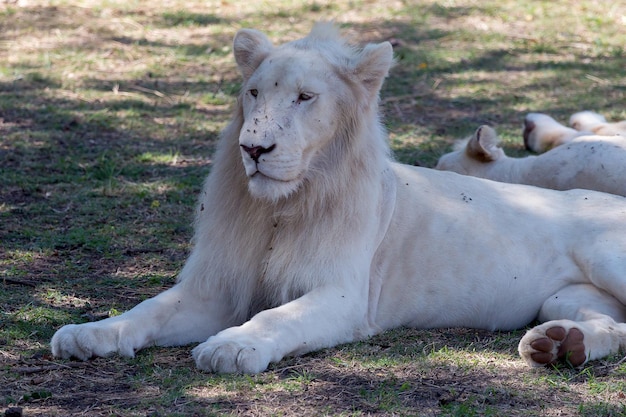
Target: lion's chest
286 266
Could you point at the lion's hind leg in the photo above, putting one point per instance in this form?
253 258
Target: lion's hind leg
581 323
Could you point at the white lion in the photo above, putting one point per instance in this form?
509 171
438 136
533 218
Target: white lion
308 235
591 162
542 132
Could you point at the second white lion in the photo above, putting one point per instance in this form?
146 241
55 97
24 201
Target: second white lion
589 161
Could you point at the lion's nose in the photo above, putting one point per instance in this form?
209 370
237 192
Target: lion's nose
256 151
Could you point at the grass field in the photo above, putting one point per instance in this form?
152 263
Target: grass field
109 113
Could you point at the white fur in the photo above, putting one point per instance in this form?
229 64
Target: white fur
542 133
354 244
591 162
588 121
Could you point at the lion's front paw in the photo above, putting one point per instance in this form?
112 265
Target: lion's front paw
84 341
223 355
68 342
544 345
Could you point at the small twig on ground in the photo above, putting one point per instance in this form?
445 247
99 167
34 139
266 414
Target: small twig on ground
597 79
621 361
151 91
28 370
18 282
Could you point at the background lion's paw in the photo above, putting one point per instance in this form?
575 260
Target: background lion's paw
227 356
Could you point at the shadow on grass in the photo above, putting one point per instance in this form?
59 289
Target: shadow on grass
402 381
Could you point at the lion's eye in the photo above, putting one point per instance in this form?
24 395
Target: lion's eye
305 97
254 92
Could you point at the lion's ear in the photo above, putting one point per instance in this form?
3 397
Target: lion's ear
482 146
250 48
373 65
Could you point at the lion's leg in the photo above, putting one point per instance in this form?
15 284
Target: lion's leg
322 318
605 266
175 317
582 323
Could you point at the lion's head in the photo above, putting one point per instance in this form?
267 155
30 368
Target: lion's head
295 98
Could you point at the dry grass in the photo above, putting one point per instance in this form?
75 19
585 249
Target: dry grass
109 111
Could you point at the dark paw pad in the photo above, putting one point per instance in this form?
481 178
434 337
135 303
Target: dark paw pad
543 346
571 347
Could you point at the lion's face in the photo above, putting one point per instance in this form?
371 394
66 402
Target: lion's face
289 114
295 98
